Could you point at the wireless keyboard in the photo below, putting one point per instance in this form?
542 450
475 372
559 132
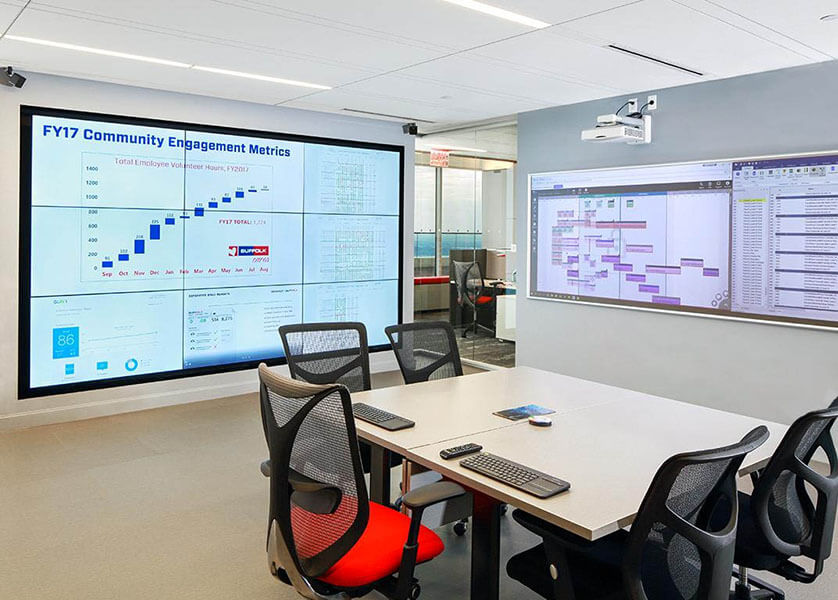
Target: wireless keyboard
379 417
518 476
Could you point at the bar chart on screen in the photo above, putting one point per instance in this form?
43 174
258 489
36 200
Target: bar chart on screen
230 207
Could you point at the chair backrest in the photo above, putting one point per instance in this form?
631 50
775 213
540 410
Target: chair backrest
318 499
324 353
673 551
789 520
425 350
469 279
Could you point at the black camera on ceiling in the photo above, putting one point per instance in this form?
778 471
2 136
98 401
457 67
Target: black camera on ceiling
410 129
10 78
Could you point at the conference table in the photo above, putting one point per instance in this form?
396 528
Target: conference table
608 442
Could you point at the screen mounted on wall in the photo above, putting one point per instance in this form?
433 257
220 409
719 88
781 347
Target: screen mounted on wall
152 250
753 238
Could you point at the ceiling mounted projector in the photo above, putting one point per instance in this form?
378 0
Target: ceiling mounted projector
617 128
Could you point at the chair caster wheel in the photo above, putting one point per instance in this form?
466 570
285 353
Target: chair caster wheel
460 528
415 590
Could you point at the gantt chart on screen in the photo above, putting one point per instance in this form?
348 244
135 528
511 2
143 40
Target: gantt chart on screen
157 250
751 238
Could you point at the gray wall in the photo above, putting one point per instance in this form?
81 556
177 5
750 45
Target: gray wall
768 371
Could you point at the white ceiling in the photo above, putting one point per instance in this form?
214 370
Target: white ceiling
425 60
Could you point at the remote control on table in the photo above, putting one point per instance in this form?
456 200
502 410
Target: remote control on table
458 451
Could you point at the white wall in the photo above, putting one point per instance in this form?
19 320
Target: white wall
768 371
59 92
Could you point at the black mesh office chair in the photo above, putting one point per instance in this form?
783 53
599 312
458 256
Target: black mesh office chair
425 350
779 520
328 353
472 292
325 538
672 551
322 353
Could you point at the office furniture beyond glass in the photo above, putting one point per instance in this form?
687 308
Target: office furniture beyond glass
427 350
673 550
473 293
779 520
608 442
324 535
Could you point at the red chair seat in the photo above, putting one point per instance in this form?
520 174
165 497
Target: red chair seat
484 299
378 553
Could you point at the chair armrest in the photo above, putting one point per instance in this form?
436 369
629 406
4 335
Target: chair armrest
431 494
418 500
265 467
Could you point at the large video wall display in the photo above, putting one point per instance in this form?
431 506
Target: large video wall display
152 250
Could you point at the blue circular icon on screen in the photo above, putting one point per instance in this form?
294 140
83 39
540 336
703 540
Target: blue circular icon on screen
131 364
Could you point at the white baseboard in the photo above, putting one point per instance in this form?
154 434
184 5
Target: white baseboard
156 395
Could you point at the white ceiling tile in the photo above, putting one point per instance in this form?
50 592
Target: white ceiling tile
553 11
26 57
464 76
237 23
673 32
796 25
410 109
551 54
120 38
8 12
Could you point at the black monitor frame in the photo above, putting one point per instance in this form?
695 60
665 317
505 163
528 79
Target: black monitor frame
25 391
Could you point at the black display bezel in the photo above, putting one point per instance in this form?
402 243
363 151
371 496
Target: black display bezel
25 391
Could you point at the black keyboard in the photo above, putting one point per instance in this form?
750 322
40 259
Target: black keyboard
379 417
518 476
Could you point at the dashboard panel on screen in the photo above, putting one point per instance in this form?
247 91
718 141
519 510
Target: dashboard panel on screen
152 250
753 238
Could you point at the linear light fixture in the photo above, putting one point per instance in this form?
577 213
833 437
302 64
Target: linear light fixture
500 13
161 61
306 84
88 49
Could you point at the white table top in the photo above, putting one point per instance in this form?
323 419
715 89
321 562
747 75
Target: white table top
607 442
447 409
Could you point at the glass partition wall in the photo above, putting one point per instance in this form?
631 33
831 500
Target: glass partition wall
464 218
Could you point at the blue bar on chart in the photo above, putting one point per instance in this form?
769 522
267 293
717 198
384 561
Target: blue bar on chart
107 264
122 257
184 216
240 194
170 220
154 231
199 211
139 246
213 204
225 199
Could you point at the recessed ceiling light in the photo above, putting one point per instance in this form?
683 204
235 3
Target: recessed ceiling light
829 18
444 148
501 13
89 50
315 86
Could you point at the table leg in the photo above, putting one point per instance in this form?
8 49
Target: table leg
379 475
485 548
